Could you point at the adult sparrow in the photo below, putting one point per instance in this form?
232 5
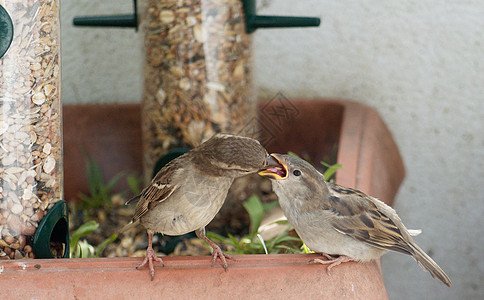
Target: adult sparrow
186 194
340 223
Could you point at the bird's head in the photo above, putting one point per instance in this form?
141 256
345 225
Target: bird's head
230 155
292 176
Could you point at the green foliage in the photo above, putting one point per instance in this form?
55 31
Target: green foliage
106 242
253 242
305 249
100 192
331 170
85 229
82 248
134 184
256 210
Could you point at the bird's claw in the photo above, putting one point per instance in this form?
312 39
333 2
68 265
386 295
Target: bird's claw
331 261
150 256
217 252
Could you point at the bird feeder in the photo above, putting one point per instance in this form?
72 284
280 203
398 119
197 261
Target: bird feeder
198 78
31 166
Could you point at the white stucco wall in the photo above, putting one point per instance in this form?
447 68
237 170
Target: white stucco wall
420 63
99 65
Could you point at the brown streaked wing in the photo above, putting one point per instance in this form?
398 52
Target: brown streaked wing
158 191
356 215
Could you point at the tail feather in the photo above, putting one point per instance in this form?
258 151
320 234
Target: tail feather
429 264
129 226
414 232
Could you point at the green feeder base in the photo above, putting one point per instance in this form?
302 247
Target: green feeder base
6 31
51 239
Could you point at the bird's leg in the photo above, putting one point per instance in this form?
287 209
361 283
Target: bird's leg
331 260
216 249
150 256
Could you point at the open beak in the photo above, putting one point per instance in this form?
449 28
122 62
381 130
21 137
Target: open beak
275 168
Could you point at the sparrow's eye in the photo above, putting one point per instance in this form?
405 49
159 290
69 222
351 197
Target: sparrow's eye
296 173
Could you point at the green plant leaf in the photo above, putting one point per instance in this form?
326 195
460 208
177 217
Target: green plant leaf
234 241
288 249
85 250
253 243
82 248
287 238
109 186
86 201
305 249
331 170
99 192
106 242
85 229
94 175
281 239
256 212
134 184
216 237
270 205
282 222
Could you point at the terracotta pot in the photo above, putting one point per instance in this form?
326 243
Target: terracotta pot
365 147
277 276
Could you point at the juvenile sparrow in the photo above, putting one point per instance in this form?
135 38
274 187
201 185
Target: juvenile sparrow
340 223
187 193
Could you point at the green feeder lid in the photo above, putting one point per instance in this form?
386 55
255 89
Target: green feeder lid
6 31
51 239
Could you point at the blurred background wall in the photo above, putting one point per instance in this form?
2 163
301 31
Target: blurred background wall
420 63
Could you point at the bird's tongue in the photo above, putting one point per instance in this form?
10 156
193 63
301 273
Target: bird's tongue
277 170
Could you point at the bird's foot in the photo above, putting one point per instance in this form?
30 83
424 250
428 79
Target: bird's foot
217 252
331 261
150 256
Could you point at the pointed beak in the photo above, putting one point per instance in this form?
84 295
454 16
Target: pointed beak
270 161
274 168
